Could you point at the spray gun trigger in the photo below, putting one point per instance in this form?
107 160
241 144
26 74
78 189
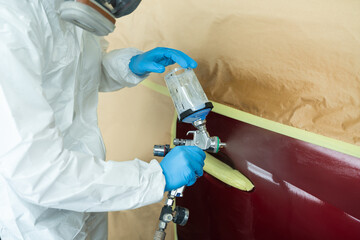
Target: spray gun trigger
190 132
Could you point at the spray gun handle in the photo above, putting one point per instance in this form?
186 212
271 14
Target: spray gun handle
161 151
177 192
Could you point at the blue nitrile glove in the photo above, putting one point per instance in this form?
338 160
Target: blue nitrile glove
157 59
182 165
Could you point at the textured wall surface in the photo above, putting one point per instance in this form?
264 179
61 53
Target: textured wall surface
289 61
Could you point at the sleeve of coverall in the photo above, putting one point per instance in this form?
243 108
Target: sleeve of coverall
33 160
116 71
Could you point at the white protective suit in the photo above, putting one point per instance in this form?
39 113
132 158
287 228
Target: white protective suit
53 177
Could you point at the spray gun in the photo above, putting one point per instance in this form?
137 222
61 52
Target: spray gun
192 106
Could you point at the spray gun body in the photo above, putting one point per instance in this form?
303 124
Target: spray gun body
192 107
201 139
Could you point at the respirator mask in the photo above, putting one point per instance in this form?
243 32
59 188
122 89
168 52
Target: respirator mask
96 16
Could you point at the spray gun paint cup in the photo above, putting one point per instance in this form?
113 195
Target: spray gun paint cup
189 98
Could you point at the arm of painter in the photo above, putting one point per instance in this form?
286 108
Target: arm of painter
116 71
33 159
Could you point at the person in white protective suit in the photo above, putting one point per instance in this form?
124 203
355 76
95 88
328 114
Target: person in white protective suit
54 182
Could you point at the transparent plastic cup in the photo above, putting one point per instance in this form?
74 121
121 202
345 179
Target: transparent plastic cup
187 94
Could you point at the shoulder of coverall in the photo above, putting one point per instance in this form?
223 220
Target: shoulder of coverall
31 25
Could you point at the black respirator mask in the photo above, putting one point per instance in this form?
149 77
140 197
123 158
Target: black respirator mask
96 16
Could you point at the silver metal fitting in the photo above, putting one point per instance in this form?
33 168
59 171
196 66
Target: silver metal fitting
201 139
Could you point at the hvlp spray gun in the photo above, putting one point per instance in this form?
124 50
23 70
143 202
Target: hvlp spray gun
192 106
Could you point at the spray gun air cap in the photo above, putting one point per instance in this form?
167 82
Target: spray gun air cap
188 96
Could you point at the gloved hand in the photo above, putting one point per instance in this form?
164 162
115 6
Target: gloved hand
157 59
182 165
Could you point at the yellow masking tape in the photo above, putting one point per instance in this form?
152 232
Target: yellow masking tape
226 174
173 130
286 130
156 87
289 131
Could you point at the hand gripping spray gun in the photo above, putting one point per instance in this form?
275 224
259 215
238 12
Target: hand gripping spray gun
192 106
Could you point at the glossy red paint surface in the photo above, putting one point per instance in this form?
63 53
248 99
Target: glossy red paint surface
302 191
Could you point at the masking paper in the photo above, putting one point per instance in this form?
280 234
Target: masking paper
293 62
